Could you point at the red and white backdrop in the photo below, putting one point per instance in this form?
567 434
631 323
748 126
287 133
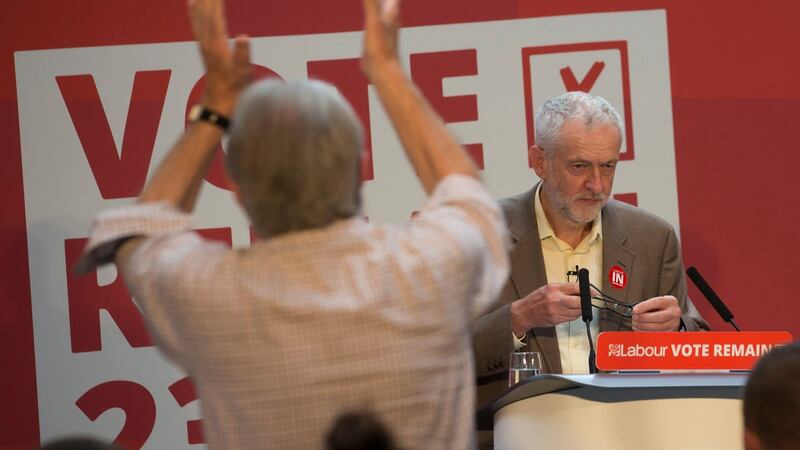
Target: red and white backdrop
93 96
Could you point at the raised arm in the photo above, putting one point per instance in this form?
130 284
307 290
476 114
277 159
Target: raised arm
431 148
181 173
179 176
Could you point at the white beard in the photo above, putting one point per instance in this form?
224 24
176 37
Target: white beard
569 209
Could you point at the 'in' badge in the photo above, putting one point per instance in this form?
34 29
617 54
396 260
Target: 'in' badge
617 277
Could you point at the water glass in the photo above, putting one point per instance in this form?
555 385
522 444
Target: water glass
523 365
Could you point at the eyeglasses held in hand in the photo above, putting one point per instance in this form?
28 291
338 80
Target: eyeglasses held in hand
603 300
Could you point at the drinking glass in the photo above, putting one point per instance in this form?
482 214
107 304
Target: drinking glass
523 365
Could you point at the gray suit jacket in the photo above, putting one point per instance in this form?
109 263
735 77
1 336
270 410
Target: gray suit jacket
644 245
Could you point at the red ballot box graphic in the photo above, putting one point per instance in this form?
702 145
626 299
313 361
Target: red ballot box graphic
598 68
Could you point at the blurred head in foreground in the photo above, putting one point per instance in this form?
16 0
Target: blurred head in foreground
294 156
772 401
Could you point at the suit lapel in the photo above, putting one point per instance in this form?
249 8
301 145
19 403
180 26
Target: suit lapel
615 253
528 274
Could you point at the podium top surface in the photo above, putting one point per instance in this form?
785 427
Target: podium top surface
618 388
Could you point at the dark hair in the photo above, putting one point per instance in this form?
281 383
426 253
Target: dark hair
359 430
78 443
772 399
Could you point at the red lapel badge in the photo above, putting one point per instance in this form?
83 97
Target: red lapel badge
617 277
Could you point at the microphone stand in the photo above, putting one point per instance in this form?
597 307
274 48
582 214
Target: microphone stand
592 355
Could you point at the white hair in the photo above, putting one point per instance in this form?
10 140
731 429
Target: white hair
589 109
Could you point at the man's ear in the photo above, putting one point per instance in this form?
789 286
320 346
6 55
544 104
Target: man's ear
751 441
538 161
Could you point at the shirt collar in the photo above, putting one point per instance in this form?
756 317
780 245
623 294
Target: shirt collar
546 231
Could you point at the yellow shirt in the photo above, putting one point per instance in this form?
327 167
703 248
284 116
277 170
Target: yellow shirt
560 257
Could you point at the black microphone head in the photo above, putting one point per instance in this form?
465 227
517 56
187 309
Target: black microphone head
709 294
585 290
586 295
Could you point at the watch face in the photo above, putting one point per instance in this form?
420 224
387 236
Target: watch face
198 113
194 113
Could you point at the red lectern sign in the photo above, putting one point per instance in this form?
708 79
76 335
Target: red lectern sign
685 350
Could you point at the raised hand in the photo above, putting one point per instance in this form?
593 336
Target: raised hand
228 71
432 150
381 25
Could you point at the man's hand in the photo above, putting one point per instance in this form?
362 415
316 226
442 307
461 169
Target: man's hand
179 176
381 25
432 150
657 314
227 72
547 306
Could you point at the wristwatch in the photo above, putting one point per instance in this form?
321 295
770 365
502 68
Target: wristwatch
200 112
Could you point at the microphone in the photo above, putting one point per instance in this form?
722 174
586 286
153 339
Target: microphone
711 296
586 313
586 295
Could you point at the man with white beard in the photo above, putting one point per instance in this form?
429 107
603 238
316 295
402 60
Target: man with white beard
566 222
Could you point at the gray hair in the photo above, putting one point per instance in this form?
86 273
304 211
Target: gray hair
294 150
589 109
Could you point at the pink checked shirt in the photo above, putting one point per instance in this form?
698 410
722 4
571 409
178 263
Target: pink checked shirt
281 337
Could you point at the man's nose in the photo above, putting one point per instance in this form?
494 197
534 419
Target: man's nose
594 180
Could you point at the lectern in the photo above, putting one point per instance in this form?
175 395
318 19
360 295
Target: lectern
619 412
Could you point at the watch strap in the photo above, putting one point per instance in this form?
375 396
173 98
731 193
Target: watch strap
201 113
